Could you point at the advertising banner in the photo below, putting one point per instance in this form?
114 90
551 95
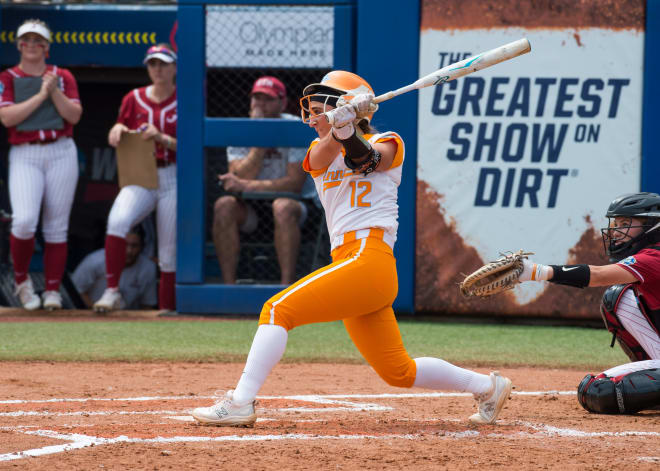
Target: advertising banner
269 36
526 154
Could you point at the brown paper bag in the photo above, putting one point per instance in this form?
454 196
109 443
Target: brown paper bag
136 162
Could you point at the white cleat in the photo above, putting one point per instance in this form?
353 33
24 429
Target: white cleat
110 301
492 401
226 413
52 300
27 296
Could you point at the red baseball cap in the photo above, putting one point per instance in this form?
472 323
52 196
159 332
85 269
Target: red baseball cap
270 86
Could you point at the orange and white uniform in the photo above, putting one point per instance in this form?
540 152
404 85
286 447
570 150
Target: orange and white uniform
361 283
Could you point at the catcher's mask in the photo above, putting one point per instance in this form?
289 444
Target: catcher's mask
634 210
335 84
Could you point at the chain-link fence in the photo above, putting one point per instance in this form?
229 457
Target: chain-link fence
294 44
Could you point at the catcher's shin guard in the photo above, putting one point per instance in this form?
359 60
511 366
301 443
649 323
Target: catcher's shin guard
625 394
628 343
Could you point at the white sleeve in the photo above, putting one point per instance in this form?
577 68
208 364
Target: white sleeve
296 154
236 153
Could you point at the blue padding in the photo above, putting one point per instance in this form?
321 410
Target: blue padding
190 168
344 45
386 70
650 180
224 299
220 132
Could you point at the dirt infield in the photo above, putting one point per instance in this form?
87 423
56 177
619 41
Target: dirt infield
311 416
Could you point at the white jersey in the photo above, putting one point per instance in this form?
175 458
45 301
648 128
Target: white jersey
353 201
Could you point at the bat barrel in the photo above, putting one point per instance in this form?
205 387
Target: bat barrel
464 67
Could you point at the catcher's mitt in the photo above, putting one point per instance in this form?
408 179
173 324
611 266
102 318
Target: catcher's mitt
495 277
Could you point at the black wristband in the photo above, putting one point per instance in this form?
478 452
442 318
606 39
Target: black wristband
571 275
356 146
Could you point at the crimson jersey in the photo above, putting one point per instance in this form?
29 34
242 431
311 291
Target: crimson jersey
137 109
68 86
645 266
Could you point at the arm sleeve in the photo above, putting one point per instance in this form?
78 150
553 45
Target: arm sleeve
69 85
645 265
6 89
399 155
237 153
126 109
306 165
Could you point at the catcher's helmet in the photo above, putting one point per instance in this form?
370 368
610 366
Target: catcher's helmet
643 206
333 85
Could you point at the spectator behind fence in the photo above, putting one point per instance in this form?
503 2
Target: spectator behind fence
152 111
261 169
39 105
137 283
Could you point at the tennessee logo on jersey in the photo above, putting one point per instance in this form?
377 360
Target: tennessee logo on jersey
334 179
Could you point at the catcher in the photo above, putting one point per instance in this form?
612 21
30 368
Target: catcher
630 306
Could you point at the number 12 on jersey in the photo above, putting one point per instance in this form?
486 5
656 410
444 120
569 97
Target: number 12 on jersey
360 189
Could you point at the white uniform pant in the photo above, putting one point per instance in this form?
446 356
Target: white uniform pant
134 203
42 173
637 325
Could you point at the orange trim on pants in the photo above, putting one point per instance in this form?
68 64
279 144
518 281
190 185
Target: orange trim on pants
358 287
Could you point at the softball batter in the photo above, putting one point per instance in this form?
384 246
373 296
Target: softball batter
151 110
357 172
43 163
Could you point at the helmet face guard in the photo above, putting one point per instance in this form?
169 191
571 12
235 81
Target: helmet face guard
306 111
634 211
335 84
617 242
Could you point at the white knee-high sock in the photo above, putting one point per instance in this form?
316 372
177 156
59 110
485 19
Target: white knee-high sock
434 373
267 349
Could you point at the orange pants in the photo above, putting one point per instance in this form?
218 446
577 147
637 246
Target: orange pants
358 287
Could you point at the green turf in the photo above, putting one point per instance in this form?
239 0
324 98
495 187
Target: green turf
192 340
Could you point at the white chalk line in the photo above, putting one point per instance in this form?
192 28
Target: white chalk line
82 441
304 397
542 431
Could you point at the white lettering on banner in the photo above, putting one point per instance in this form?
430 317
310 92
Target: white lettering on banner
524 152
269 36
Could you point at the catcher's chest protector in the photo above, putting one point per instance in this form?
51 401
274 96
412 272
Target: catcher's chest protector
608 307
624 394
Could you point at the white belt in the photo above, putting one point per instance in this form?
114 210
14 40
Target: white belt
361 234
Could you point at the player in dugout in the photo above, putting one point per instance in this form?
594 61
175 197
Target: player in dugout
357 171
39 104
630 306
152 111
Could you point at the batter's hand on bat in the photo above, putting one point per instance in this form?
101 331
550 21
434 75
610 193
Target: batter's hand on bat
115 134
363 104
341 116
